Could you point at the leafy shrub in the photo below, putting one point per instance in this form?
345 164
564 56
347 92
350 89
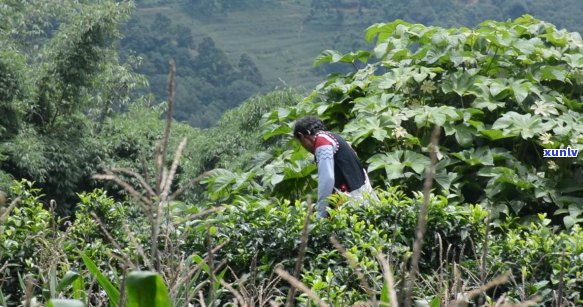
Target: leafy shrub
502 92
97 211
38 245
541 259
260 234
26 236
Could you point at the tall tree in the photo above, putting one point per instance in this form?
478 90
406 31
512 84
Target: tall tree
66 77
249 71
213 63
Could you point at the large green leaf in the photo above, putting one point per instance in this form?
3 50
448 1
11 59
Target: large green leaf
524 125
276 130
362 128
494 134
481 156
383 30
395 162
146 289
331 56
552 73
416 161
391 162
67 280
574 60
111 291
521 90
461 83
444 178
464 135
327 56
79 289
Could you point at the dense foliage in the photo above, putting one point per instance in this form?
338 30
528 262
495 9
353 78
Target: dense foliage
275 36
255 235
59 82
503 223
208 81
502 92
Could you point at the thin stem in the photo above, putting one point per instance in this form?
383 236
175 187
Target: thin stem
164 148
484 261
211 266
296 283
301 253
561 281
421 224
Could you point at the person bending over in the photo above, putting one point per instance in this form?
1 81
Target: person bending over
339 170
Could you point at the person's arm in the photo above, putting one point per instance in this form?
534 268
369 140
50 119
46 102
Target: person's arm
325 158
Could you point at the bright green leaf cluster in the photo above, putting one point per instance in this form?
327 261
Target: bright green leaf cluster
501 92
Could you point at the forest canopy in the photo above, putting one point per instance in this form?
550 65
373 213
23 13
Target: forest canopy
107 199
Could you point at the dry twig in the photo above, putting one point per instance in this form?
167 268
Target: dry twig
301 253
354 264
299 285
388 276
422 220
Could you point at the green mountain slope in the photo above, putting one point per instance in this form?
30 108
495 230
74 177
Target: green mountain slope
282 38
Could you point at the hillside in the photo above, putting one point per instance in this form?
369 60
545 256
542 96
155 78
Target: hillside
282 38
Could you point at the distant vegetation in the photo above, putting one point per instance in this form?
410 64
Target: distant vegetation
208 82
254 45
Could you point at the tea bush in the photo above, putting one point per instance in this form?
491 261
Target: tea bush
259 234
541 258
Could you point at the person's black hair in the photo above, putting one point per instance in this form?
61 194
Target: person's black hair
309 125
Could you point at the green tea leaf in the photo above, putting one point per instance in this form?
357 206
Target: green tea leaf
435 302
79 289
146 289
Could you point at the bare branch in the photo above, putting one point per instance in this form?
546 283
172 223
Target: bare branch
484 261
139 177
164 148
301 253
352 262
203 213
422 220
7 212
236 293
299 285
201 299
137 246
388 276
175 162
113 241
502 279
188 185
125 186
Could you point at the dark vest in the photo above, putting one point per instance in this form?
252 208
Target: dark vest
347 167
